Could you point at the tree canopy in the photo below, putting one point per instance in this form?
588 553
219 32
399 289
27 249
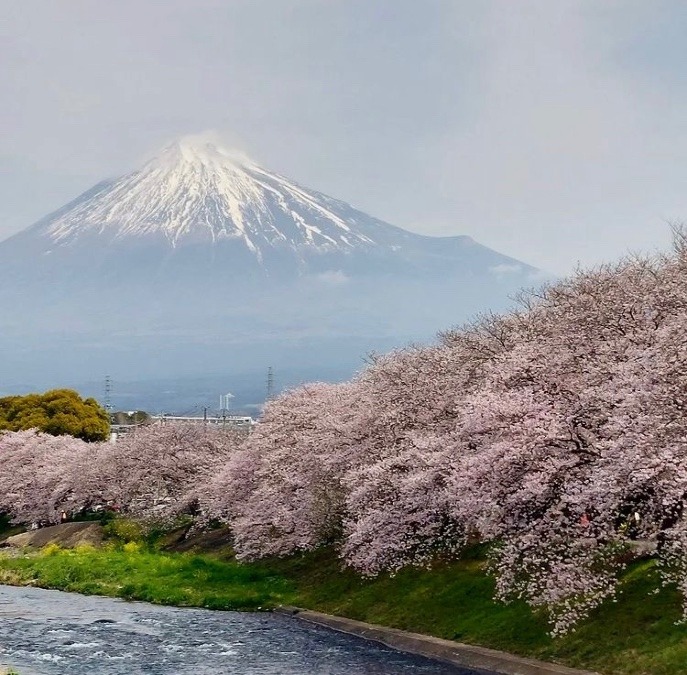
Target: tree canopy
57 412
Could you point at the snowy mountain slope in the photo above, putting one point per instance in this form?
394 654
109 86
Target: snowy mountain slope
201 248
198 203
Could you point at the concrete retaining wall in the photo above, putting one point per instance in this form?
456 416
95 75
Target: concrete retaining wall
456 653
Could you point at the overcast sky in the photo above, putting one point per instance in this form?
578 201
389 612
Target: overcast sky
553 131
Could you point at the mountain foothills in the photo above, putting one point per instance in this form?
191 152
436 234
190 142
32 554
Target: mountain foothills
201 259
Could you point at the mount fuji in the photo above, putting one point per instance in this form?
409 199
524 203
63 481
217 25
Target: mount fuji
202 260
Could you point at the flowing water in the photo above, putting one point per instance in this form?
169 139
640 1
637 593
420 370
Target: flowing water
53 633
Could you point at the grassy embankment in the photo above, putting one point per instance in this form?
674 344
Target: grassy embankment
635 635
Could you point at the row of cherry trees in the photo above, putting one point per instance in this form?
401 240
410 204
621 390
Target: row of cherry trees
153 474
558 432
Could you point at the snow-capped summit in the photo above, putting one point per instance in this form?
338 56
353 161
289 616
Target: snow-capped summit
194 190
197 208
201 149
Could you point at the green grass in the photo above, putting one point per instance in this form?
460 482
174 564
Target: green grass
637 635
134 574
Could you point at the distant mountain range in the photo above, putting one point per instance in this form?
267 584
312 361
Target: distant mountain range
201 261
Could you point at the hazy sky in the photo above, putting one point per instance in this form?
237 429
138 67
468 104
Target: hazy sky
553 131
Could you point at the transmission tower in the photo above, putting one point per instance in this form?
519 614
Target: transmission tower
270 383
108 393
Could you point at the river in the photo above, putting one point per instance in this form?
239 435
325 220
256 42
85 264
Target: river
46 632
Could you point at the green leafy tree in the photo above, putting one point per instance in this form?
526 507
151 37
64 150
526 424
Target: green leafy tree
56 412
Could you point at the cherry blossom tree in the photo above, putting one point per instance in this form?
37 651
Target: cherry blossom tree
160 470
396 504
35 470
548 477
154 474
283 491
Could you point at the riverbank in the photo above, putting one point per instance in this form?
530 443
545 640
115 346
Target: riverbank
637 635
